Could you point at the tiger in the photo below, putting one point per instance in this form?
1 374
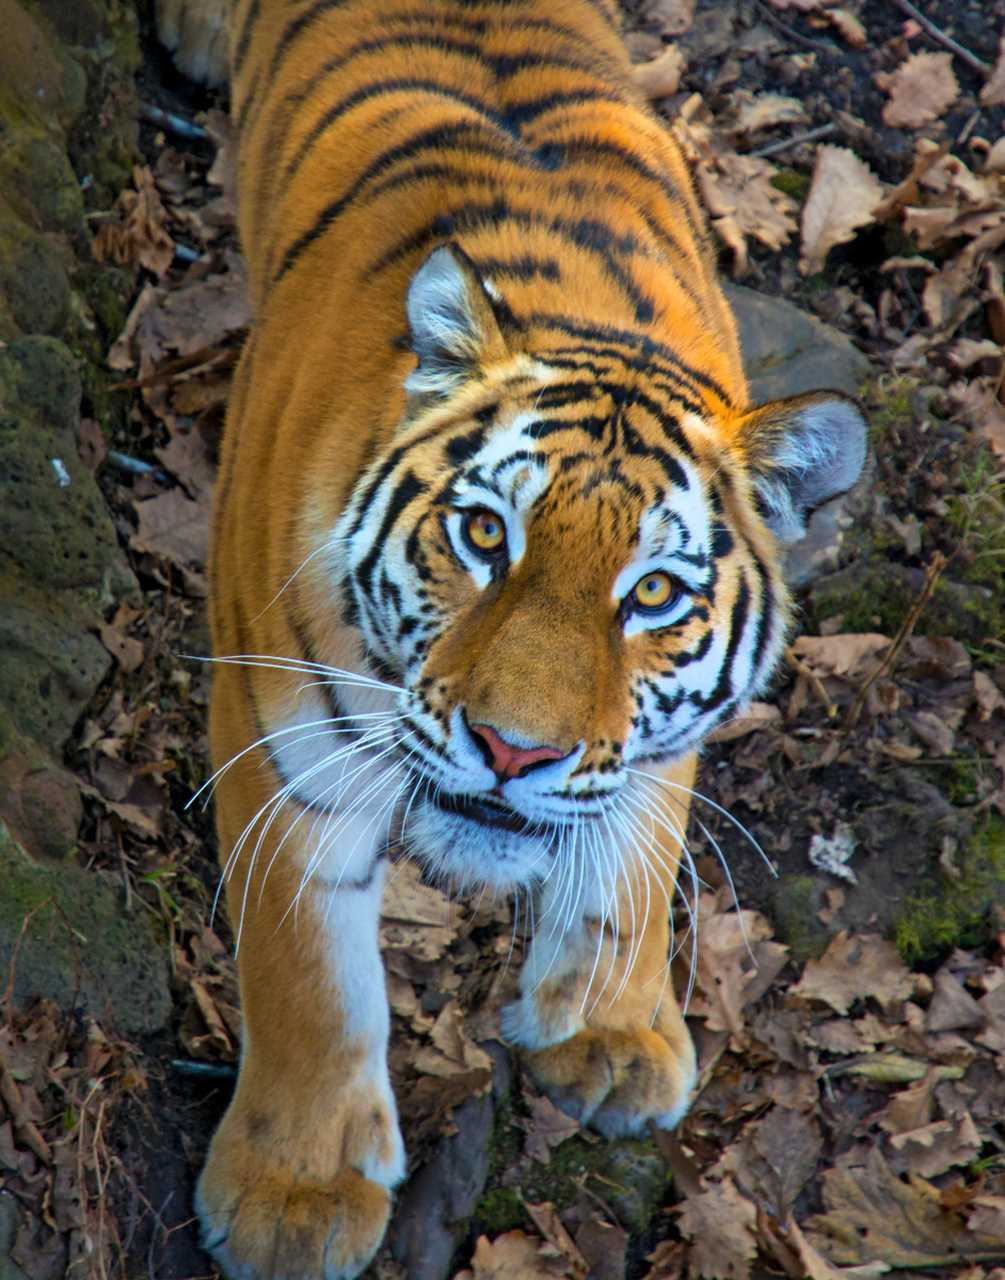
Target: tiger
498 542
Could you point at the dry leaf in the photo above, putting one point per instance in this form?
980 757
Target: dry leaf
843 196
407 899
848 27
724 975
671 17
547 1222
544 1128
920 90
661 77
936 1147
993 93
838 655
140 236
759 111
128 651
719 1222
814 1264
744 204
173 527
759 715
871 1216
184 456
988 1216
515 1256
854 967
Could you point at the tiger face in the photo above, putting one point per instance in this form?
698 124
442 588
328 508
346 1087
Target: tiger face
566 575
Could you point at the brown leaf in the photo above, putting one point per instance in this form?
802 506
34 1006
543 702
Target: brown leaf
910 1108
758 715
670 17
720 1224
661 77
814 1264
854 967
185 457
550 1226
988 1216
173 527
993 93
848 27
724 974
838 655
515 1256
935 1147
140 236
871 1216
952 1008
410 901
90 444
128 651
603 1245
544 1128
761 110
989 697
920 90
843 196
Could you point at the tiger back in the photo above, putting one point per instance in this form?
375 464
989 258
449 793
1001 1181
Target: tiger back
496 545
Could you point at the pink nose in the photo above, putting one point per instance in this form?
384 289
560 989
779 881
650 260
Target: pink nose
505 759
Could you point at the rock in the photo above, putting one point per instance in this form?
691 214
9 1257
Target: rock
442 1194
60 562
39 799
123 970
34 286
785 351
10 1220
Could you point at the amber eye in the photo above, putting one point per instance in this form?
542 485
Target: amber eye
654 591
485 533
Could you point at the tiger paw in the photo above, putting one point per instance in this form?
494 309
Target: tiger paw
195 33
277 1226
617 1081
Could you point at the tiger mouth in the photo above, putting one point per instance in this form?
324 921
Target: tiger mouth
490 813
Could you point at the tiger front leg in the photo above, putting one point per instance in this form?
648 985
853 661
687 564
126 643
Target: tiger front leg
297 1178
603 1034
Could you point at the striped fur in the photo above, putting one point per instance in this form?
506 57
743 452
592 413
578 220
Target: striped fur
481 284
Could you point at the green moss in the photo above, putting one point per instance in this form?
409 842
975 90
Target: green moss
956 913
499 1210
792 183
629 1175
798 900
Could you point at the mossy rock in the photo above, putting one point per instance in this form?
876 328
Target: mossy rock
34 286
81 948
39 184
39 800
947 913
876 595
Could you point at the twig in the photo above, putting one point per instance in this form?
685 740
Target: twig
814 681
818 46
971 59
938 563
810 136
174 124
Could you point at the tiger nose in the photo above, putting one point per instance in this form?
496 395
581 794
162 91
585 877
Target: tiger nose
505 759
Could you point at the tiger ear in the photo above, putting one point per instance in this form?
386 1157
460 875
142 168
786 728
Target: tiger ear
803 451
452 325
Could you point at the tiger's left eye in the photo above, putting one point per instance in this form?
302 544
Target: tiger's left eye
485 532
654 591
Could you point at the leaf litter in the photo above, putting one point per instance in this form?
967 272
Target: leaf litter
847 1118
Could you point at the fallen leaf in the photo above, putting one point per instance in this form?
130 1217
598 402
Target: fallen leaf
814 1264
661 77
603 1246
936 1147
910 1108
838 655
407 899
920 90
988 1217
671 17
514 1256
90 444
848 27
727 941
854 967
544 1128
738 194
185 457
719 1223
952 1008
871 1216
989 696
843 196
140 236
758 715
128 651
759 111
932 730
173 527
993 92
550 1226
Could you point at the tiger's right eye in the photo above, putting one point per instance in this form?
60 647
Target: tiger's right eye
485 533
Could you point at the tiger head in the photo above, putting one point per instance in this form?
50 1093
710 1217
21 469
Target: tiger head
569 566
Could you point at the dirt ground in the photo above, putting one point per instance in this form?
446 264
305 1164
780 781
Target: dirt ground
849 981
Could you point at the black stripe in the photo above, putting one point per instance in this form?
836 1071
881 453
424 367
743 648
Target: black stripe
408 489
737 623
244 38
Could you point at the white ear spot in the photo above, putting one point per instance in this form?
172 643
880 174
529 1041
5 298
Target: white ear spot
491 290
815 455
